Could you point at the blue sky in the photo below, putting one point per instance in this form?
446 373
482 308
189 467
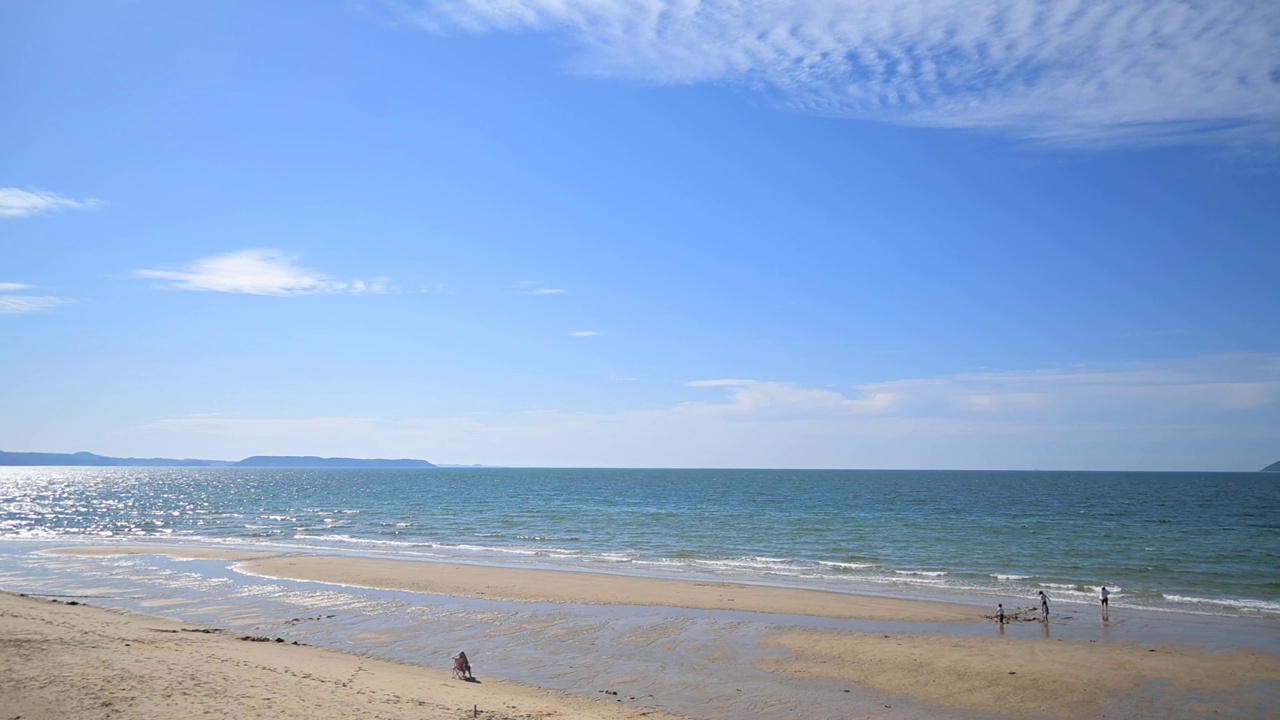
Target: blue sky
916 234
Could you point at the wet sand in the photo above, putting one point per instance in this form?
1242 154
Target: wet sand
939 655
1031 677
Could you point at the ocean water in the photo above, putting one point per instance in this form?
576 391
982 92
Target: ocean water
1205 543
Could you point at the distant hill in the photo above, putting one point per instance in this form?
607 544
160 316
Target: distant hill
310 461
90 459
1273 467
87 459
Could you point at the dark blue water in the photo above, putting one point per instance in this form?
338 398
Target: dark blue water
1195 542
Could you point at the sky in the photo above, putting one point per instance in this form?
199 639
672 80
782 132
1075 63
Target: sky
997 234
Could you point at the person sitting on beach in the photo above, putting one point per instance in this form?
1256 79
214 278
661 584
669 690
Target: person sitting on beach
1044 606
1104 594
461 667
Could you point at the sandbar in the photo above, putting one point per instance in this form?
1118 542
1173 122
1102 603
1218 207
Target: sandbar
558 586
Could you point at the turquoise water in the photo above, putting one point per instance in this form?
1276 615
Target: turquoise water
1191 542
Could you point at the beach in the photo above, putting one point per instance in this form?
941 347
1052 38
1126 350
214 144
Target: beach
64 660
555 643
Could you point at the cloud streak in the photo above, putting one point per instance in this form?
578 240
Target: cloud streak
16 203
1134 71
26 304
1201 413
257 272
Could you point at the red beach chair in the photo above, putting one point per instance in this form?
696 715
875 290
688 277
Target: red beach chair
461 668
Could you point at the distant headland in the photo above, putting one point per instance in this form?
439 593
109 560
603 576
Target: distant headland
1273 467
88 459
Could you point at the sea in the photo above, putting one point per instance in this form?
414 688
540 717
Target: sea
1191 543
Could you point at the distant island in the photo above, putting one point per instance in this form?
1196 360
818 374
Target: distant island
1273 467
87 459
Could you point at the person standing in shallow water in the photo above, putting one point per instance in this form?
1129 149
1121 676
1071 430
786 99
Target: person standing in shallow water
1000 613
1104 594
1044 606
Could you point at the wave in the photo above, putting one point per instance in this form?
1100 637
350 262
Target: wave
358 541
846 565
1230 603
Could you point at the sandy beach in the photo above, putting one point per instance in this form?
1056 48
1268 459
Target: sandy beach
63 659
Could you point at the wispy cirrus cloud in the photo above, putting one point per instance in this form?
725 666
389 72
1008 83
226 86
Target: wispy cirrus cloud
258 272
25 304
529 287
1198 413
584 333
1170 391
771 399
16 203
1135 71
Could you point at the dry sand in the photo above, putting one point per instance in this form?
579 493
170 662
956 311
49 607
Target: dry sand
60 661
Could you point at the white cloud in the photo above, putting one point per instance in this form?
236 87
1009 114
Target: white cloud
16 202
25 304
583 333
258 272
784 399
533 287
1203 413
1142 71
1154 392
376 286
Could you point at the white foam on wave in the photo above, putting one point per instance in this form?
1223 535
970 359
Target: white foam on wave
923 573
846 565
1228 603
1006 578
772 565
607 557
356 540
1058 586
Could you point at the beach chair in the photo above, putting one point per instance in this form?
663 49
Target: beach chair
461 668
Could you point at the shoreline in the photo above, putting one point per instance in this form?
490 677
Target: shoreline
679 641
911 535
